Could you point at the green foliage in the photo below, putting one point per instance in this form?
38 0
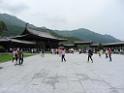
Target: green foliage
12 25
13 30
5 57
3 26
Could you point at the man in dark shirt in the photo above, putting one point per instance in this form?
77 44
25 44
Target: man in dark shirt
90 54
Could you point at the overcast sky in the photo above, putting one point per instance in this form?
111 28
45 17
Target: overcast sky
101 16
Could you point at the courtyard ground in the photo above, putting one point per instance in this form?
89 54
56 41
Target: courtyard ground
49 75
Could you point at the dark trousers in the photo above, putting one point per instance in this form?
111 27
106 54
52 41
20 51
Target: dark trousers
110 57
63 58
90 57
106 55
20 61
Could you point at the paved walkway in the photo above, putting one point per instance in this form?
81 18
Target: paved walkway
49 75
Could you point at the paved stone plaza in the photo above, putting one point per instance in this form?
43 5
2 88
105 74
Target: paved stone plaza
49 75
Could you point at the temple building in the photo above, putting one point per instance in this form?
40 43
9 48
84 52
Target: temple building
32 38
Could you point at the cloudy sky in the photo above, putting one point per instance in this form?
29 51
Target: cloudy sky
101 16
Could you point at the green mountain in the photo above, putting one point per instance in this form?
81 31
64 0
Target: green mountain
3 27
15 26
85 34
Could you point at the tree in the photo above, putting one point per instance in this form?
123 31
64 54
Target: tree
3 26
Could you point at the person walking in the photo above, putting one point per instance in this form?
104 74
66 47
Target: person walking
90 54
15 56
110 54
99 52
106 53
42 52
63 55
20 55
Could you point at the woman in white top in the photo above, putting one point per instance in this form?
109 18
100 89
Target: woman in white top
63 55
14 55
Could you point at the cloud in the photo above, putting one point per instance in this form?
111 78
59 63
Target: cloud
1 1
12 8
101 16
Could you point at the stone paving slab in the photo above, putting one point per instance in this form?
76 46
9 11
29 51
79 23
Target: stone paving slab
49 75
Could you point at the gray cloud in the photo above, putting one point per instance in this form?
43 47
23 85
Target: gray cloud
101 16
56 20
12 8
1 1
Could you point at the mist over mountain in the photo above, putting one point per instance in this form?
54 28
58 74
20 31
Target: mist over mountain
15 26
